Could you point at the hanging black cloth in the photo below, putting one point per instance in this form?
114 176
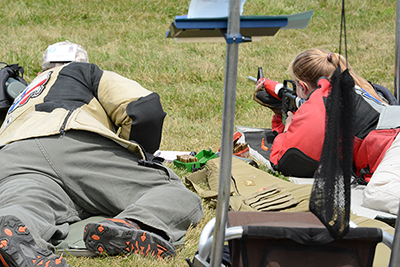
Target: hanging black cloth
330 196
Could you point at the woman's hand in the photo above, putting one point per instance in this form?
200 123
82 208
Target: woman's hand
261 96
288 120
260 85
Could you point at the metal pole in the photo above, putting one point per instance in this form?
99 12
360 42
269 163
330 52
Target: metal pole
228 120
395 256
397 62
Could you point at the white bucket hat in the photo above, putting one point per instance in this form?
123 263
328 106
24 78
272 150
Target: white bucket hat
63 52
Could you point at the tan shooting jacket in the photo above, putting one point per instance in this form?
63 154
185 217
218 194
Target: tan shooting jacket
81 96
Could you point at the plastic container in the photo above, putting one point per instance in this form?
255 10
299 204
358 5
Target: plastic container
202 157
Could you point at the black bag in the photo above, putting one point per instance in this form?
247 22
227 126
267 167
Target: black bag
11 76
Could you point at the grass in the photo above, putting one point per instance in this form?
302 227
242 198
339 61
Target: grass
128 37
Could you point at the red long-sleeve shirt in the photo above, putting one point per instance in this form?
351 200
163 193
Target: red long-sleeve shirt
298 150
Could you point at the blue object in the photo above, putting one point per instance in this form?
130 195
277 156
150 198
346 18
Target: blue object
250 26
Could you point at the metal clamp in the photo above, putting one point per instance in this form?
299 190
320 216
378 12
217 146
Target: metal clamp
237 39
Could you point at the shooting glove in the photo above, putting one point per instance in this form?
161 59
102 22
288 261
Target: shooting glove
262 97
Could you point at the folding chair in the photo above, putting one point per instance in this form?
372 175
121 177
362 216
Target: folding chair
287 239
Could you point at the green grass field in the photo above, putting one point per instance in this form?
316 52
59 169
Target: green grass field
129 37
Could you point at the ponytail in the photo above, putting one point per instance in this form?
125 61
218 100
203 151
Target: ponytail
313 64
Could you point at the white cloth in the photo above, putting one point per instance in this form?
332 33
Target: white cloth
383 191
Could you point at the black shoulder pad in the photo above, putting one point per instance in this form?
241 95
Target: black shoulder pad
295 163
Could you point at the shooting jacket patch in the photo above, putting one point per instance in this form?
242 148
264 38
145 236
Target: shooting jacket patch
31 91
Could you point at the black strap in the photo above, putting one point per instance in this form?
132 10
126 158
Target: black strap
343 33
5 74
363 172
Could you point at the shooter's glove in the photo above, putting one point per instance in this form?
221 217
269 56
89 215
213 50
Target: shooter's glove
262 97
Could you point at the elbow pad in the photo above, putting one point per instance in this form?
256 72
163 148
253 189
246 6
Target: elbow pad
147 121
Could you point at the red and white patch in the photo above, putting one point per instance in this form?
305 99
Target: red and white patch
34 89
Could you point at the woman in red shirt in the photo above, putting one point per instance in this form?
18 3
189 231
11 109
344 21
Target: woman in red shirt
297 148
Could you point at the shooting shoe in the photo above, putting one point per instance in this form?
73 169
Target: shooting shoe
116 236
19 249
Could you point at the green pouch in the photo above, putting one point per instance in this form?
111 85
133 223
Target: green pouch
236 204
279 199
277 206
272 198
263 194
246 182
205 182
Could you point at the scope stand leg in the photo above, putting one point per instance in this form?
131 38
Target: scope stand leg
228 121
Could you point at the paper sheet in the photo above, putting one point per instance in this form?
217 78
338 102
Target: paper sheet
210 8
169 156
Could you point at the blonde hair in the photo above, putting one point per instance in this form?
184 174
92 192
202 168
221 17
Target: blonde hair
313 64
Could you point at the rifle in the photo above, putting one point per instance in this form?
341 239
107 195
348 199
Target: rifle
290 100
